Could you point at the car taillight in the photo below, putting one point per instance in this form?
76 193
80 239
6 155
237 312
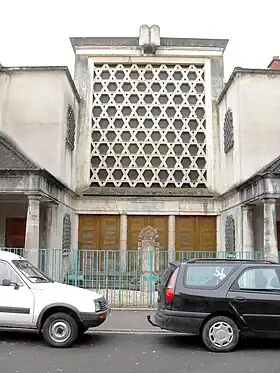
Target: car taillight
169 294
170 289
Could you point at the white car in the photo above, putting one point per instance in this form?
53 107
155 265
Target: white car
31 300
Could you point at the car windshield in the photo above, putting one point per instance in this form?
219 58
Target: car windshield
31 272
204 275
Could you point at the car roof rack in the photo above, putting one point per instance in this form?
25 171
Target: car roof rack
229 260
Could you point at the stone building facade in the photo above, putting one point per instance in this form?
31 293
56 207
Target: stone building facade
147 136
150 121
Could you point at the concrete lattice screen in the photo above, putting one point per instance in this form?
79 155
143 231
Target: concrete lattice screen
148 126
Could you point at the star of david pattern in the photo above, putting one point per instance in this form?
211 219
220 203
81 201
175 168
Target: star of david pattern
148 126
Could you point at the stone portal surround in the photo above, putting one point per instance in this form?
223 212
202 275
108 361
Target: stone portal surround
270 244
33 217
123 234
54 232
32 243
123 238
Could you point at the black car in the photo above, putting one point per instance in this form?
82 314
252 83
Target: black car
220 300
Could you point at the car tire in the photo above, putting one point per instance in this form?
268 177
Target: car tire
60 330
220 334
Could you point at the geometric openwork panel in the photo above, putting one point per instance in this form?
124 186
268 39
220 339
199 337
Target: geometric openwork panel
230 234
148 126
71 128
66 233
228 131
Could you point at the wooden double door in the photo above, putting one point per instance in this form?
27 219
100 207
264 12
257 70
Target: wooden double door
100 232
103 231
196 233
193 233
96 234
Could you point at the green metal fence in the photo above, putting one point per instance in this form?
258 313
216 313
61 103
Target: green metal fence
126 279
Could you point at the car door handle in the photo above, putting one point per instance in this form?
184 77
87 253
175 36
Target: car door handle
240 299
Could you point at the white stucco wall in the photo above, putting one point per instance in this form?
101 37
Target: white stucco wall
229 172
259 97
34 114
254 99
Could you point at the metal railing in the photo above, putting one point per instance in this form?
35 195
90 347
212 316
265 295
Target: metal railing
126 279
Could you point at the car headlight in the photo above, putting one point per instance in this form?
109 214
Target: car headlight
97 306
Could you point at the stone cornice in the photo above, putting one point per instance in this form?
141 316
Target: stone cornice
10 69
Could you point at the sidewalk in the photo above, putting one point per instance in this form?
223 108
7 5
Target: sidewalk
128 321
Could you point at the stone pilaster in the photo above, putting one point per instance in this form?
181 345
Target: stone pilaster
214 85
247 231
123 242
269 229
171 237
84 83
51 226
32 232
52 249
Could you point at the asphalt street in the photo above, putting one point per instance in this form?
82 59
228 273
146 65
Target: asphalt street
101 352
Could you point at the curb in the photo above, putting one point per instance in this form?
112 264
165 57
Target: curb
129 331
132 309
134 331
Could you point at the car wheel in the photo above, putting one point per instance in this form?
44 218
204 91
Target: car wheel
60 330
220 334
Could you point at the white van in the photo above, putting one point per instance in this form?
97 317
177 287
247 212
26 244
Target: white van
31 300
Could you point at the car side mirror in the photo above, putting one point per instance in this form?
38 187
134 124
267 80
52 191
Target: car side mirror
7 282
